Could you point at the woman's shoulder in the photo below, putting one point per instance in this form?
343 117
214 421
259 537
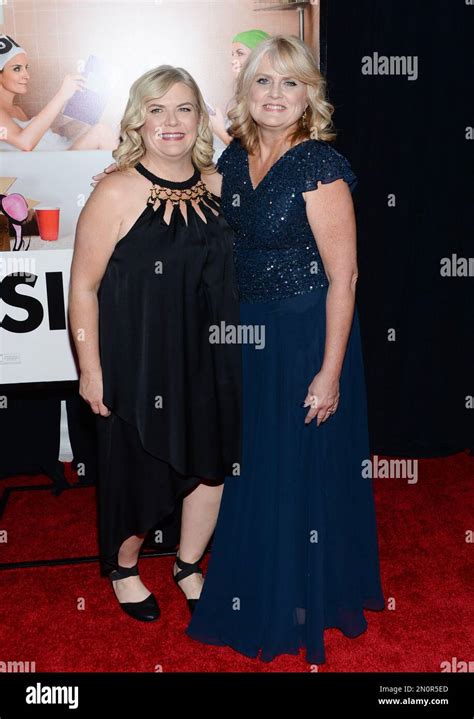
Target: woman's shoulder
5 115
116 186
321 162
322 150
212 181
18 114
119 179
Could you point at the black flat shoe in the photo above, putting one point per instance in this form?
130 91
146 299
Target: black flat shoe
145 611
187 568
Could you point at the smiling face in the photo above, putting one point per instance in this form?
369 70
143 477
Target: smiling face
276 101
239 55
15 77
171 122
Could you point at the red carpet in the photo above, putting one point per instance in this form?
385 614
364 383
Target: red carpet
426 566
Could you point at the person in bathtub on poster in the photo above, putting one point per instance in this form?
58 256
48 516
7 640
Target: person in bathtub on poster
18 131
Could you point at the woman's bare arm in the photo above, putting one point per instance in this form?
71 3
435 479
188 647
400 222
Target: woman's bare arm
330 213
26 138
97 232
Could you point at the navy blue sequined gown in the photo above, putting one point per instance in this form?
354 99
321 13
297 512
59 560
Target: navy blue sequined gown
295 548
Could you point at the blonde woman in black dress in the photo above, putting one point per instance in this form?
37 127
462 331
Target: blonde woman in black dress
152 272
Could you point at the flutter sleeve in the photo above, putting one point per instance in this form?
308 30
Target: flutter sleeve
325 164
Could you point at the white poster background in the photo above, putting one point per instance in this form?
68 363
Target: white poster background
41 355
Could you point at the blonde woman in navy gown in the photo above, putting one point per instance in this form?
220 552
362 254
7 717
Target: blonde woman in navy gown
295 547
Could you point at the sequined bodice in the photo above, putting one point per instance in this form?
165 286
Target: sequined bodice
275 251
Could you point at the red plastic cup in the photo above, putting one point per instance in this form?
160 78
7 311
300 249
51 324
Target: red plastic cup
48 222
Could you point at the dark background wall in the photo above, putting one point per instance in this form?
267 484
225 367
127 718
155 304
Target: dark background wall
409 140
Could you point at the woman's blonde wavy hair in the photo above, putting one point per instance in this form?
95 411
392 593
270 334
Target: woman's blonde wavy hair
151 85
292 57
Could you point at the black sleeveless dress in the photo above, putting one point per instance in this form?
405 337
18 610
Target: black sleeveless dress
173 391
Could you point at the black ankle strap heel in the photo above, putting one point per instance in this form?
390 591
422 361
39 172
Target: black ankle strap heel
148 609
187 568
123 573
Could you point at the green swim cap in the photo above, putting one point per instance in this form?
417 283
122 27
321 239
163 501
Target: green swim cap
251 38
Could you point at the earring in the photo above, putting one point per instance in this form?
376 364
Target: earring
304 118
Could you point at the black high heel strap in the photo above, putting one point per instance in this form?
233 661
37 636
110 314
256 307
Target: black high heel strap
123 573
187 568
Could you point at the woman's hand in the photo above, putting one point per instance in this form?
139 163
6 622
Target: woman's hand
70 85
322 398
91 390
101 175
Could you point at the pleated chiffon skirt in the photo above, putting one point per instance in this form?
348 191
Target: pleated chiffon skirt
295 548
